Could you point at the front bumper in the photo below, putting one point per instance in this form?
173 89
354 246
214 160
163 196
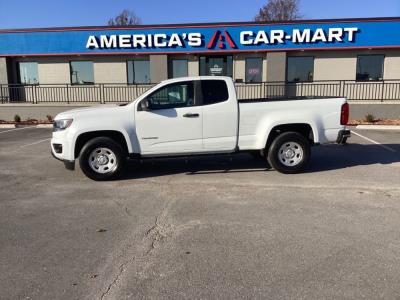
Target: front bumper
57 151
342 137
69 164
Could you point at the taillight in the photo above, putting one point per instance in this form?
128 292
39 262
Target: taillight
344 114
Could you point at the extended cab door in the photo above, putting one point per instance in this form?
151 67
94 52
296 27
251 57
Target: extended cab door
171 122
220 115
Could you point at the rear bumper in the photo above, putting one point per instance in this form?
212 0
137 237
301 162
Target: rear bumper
342 136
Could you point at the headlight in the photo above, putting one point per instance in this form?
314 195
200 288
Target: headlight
59 125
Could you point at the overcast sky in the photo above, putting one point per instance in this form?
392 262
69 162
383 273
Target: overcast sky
58 13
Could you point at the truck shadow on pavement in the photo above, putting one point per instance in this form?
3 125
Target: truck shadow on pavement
334 157
324 158
236 163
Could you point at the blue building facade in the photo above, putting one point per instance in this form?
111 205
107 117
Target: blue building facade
356 50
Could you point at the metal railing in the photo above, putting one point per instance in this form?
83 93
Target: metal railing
118 93
66 93
352 90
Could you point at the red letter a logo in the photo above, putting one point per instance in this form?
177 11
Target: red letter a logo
220 38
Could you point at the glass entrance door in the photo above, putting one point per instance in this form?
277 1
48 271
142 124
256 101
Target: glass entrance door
216 65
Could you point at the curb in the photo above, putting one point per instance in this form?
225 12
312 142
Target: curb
8 126
378 127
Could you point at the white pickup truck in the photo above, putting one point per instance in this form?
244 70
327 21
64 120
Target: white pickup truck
196 116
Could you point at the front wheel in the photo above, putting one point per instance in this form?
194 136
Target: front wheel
289 153
102 158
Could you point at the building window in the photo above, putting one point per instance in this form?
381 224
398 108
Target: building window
178 68
216 65
28 73
82 72
254 69
203 65
370 67
300 69
229 66
138 71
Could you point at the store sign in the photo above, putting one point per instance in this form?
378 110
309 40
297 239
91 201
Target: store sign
222 39
216 70
254 71
203 38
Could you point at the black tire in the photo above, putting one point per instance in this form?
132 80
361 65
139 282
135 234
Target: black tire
113 151
301 154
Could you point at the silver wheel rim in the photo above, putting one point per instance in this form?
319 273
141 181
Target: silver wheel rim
290 154
103 160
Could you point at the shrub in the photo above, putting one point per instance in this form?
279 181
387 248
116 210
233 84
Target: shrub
17 118
30 120
370 118
49 118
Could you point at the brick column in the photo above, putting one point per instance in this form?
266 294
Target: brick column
158 68
276 66
3 71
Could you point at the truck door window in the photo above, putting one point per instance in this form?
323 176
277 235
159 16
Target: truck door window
214 91
172 96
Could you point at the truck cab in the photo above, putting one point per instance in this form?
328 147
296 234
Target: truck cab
190 116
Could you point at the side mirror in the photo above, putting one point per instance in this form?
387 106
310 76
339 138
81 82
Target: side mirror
145 105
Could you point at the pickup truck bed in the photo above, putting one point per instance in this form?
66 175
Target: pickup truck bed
272 99
263 115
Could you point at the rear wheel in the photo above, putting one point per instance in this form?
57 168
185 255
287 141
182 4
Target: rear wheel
102 158
289 153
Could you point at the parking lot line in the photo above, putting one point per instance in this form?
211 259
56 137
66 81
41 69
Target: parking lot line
375 142
17 129
35 143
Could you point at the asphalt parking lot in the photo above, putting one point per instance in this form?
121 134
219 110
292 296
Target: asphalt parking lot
202 228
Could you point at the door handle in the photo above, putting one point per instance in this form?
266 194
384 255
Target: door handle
190 115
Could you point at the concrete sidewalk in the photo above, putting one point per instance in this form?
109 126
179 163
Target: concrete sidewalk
358 109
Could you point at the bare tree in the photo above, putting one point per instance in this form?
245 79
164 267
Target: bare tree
126 17
279 10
